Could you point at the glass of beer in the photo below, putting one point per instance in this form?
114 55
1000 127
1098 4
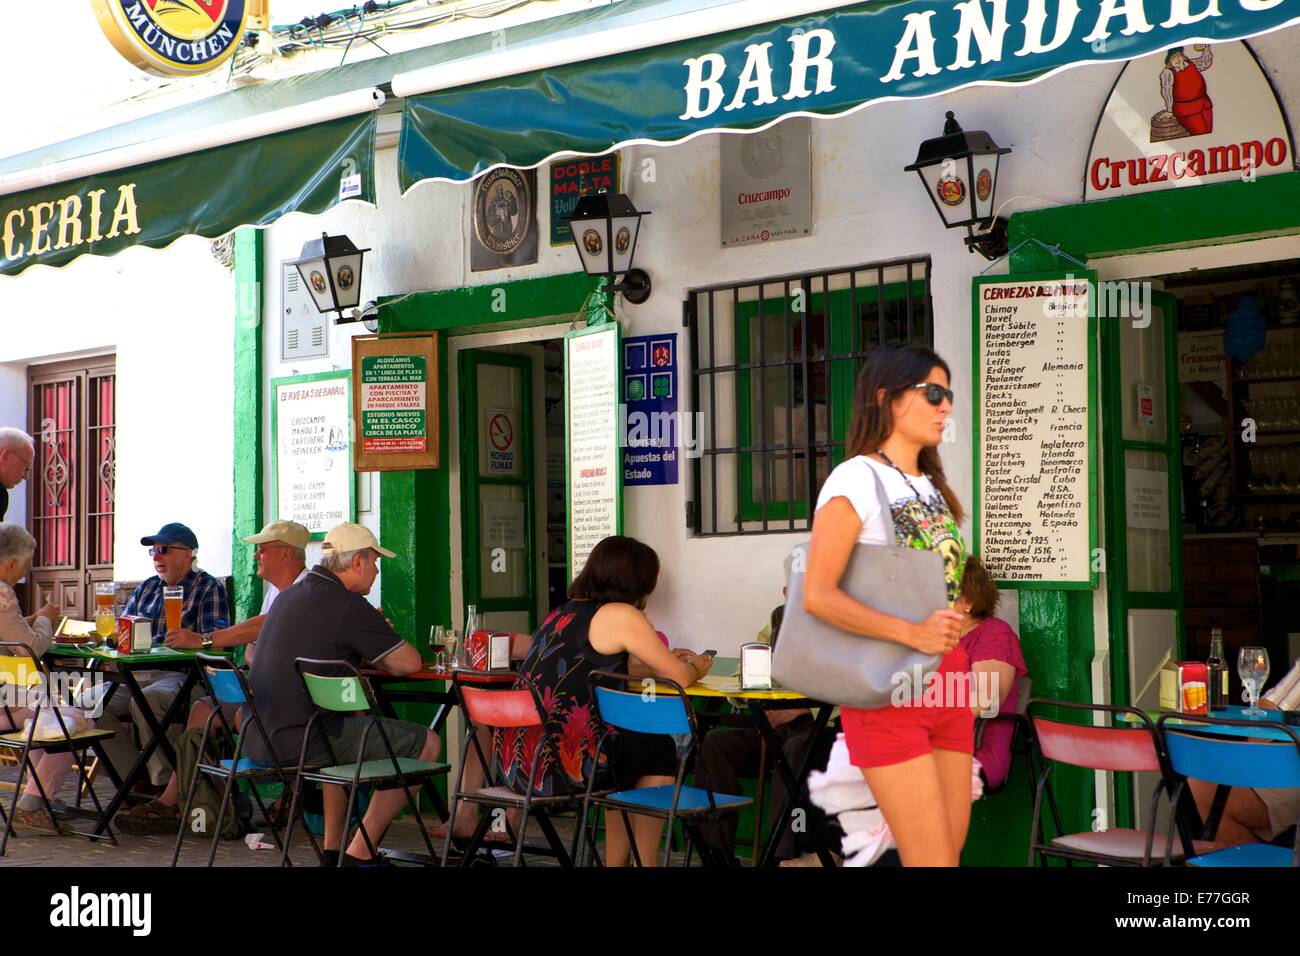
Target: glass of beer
173 599
105 622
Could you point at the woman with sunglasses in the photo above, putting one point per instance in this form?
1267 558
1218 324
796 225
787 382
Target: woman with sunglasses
916 760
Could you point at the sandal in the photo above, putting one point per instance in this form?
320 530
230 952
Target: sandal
811 859
149 818
37 822
439 833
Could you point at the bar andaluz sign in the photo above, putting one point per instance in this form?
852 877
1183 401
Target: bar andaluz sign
824 64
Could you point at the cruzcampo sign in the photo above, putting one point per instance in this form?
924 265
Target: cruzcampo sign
173 37
823 64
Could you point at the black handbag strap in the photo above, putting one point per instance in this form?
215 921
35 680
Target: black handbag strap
886 512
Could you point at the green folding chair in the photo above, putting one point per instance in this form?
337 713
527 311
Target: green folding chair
336 687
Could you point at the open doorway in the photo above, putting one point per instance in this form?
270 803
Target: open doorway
509 478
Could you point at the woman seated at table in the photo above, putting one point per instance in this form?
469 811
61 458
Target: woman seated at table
17 548
997 664
601 627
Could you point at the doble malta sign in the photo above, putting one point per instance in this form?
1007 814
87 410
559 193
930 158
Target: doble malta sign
173 37
1194 114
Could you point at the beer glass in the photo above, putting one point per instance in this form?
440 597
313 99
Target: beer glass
1252 668
105 623
173 600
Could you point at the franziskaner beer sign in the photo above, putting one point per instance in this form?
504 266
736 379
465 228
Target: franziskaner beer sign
173 37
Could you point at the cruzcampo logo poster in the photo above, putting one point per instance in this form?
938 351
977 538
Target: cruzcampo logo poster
394 397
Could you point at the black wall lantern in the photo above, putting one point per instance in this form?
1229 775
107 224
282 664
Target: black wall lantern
959 171
605 228
331 270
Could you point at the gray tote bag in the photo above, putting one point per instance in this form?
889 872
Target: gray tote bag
839 667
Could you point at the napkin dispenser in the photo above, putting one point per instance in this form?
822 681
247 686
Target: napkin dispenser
756 666
134 634
488 651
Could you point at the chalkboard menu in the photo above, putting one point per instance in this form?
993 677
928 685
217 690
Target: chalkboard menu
1035 429
595 460
312 472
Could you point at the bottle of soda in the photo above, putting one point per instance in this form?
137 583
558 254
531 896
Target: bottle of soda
1218 671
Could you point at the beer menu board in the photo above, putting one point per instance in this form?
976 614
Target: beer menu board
591 386
1034 470
395 401
313 477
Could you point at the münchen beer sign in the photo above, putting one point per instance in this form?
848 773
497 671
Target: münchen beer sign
173 37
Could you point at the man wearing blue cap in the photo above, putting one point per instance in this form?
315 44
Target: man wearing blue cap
205 609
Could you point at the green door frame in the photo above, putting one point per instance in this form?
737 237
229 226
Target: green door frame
470 481
1119 598
1057 626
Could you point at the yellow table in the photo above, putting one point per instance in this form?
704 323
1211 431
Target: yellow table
715 688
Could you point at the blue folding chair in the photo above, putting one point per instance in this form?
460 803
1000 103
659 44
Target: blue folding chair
226 684
670 714
1233 762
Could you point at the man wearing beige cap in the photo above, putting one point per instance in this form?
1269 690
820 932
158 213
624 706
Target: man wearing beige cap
281 556
327 617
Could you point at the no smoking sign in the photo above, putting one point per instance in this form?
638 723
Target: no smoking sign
500 432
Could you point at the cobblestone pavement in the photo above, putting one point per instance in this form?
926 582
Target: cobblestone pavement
144 851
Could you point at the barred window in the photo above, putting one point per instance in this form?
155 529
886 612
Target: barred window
775 362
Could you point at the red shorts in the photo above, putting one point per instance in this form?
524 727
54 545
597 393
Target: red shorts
888 735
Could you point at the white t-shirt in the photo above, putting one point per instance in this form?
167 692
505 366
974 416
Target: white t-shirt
852 480
921 518
269 595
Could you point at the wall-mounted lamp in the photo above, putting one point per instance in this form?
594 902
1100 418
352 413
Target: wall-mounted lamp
605 227
959 171
331 270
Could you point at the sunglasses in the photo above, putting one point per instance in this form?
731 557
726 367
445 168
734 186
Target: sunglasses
935 394
161 549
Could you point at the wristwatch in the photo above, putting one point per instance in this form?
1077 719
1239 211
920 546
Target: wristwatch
207 641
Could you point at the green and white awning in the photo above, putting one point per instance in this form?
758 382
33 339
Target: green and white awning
660 81
242 158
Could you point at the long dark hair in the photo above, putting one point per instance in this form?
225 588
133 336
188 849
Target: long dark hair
895 367
618 569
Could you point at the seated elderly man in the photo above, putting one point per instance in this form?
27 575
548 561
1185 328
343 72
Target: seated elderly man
17 454
205 611
281 555
327 617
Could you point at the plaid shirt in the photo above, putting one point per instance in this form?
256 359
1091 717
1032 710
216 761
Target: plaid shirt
205 608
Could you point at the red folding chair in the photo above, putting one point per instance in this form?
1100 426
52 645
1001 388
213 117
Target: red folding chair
1103 748
515 709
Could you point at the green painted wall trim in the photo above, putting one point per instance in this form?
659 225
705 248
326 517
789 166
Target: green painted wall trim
248 408
415 514
1150 222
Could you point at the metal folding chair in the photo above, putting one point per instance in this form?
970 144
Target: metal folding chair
24 672
669 714
1233 762
1103 748
226 684
519 709
342 690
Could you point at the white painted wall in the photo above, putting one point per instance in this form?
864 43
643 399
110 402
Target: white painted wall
716 592
168 317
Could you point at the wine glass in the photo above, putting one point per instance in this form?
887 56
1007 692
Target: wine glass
437 642
1252 668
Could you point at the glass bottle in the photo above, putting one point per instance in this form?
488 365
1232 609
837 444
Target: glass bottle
1218 671
463 654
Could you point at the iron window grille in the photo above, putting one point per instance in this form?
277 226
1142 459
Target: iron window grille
763 448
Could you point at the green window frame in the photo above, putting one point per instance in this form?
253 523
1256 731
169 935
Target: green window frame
774 469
